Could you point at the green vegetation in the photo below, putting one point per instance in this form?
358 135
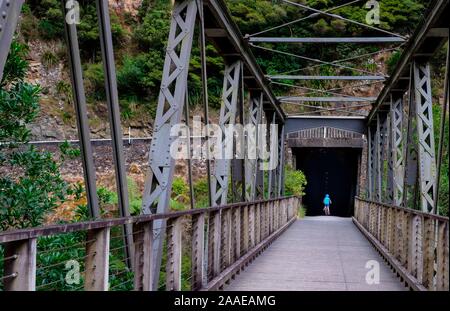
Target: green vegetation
295 181
30 181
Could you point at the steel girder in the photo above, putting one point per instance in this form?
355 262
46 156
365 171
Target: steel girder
10 10
371 161
79 99
389 176
378 165
169 112
425 132
280 167
228 110
410 172
396 151
251 168
260 173
384 156
272 182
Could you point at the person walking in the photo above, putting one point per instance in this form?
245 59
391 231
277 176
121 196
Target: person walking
326 203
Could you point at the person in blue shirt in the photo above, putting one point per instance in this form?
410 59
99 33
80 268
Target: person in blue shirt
326 203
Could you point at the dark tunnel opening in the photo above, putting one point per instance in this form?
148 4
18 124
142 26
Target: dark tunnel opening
330 171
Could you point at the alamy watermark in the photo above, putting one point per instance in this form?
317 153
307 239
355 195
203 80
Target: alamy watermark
373 275
233 141
373 16
73 12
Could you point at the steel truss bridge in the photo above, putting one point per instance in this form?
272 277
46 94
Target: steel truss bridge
252 240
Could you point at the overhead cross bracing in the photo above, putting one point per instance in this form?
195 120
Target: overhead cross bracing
306 75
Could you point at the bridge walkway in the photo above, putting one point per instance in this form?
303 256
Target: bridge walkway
316 253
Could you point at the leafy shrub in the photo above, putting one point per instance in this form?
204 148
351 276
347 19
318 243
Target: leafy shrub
201 192
32 185
134 195
295 181
49 59
95 80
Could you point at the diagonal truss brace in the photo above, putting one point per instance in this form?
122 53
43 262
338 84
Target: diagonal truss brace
425 132
251 169
171 102
228 110
397 144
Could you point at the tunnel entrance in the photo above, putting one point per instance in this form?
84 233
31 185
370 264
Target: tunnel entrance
330 171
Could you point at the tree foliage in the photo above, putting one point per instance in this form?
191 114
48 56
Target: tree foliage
30 183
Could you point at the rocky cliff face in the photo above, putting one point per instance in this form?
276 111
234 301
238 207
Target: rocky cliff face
56 120
130 6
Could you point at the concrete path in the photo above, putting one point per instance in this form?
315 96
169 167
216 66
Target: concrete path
315 254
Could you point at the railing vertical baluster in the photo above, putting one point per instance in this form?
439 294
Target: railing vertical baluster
414 248
251 225
143 243
21 268
245 230
239 233
97 260
174 252
198 250
258 223
216 239
225 239
428 248
442 278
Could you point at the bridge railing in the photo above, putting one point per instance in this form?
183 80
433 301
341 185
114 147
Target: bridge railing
204 248
415 244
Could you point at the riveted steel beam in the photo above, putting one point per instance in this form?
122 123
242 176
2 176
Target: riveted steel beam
371 152
169 112
9 17
281 161
328 40
425 132
228 110
254 119
273 150
79 99
296 77
112 100
397 141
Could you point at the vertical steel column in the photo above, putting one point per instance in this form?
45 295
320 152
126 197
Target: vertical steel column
410 179
239 161
171 102
272 172
254 119
227 117
371 161
388 195
261 148
112 99
10 12
79 98
397 152
280 167
379 145
425 131
205 100
442 127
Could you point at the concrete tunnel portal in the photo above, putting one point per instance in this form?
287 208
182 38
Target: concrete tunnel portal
329 152
330 171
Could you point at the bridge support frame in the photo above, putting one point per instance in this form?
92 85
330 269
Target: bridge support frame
397 150
425 131
251 168
171 102
228 111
